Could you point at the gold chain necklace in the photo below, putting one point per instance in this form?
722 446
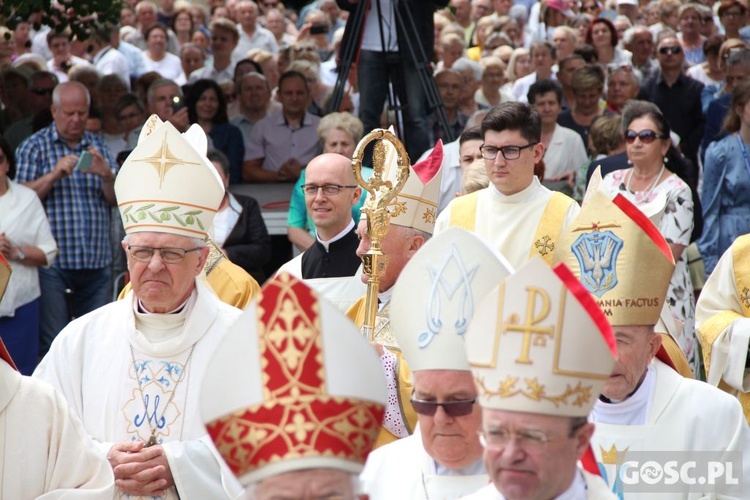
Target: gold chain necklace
152 440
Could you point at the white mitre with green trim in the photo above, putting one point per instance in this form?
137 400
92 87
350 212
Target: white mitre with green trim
167 185
436 296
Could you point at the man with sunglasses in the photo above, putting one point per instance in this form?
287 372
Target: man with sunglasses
540 350
515 213
677 95
41 86
131 370
443 458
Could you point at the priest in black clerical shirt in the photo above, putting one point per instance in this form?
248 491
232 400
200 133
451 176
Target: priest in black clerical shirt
330 193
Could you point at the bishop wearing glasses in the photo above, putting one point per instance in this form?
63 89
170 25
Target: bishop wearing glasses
515 213
131 370
433 301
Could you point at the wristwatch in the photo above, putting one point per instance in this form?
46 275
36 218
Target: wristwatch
20 256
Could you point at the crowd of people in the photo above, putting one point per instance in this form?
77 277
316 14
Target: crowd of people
576 172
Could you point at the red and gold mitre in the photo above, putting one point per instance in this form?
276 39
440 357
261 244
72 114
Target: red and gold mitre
620 257
293 386
539 344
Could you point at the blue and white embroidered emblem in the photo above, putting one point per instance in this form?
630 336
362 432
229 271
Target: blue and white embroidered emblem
597 254
452 267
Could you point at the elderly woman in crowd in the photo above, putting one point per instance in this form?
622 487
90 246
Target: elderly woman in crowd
156 58
587 83
489 92
622 86
26 241
689 36
647 143
733 16
726 182
338 133
182 25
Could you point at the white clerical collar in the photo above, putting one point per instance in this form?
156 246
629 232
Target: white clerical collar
475 469
632 411
337 237
158 327
518 197
384 298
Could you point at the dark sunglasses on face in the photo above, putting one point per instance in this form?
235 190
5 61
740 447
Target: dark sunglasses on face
42 91
670 50
646 136
452 409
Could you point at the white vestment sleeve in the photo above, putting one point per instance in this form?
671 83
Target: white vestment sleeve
730 349
198 471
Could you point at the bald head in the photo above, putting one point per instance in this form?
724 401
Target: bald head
70 110
331 212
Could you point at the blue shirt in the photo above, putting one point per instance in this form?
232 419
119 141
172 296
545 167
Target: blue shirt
78 213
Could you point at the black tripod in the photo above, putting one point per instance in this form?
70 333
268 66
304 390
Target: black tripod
415 50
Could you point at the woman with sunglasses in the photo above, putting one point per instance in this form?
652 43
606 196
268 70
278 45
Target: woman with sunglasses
726 182
26 241
647 141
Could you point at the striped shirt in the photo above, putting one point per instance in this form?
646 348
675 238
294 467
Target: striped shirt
78 213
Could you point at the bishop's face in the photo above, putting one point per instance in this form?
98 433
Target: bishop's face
636 347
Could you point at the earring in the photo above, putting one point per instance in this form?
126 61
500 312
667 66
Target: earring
629 162
666 160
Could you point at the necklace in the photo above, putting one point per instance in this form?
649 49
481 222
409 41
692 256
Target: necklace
654 183
152 425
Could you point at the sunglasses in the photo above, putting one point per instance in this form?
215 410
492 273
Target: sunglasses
670 50
42 91
452 409
646 136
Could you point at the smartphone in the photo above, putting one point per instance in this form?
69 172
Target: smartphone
318 29
84 161
177 103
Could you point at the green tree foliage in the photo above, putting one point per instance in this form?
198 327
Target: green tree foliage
79 16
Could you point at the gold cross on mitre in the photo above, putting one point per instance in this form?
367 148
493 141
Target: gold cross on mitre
163 160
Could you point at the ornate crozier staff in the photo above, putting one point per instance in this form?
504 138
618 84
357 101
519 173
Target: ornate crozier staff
382 193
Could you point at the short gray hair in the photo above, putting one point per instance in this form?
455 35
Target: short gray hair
59 89
162 82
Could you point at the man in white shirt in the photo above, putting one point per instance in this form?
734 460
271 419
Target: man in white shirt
224 38
106 58
252 34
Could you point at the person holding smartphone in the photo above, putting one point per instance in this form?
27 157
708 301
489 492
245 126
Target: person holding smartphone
78 203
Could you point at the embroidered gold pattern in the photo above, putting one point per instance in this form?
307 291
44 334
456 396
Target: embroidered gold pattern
576 396
746 296
545 245
429 215
164 160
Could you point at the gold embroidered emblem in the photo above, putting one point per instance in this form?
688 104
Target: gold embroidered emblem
577 395
745 297
397 208
609 457
429 215
529 328
164 160
544 245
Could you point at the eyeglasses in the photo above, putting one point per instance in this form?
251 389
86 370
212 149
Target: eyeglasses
168 255
589 8
732 14
328 189
508 152
726 55
670 50
40 91
646 136
452 409
530 440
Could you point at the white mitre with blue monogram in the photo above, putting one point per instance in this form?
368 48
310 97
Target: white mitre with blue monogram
539 344
436 296
167 185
